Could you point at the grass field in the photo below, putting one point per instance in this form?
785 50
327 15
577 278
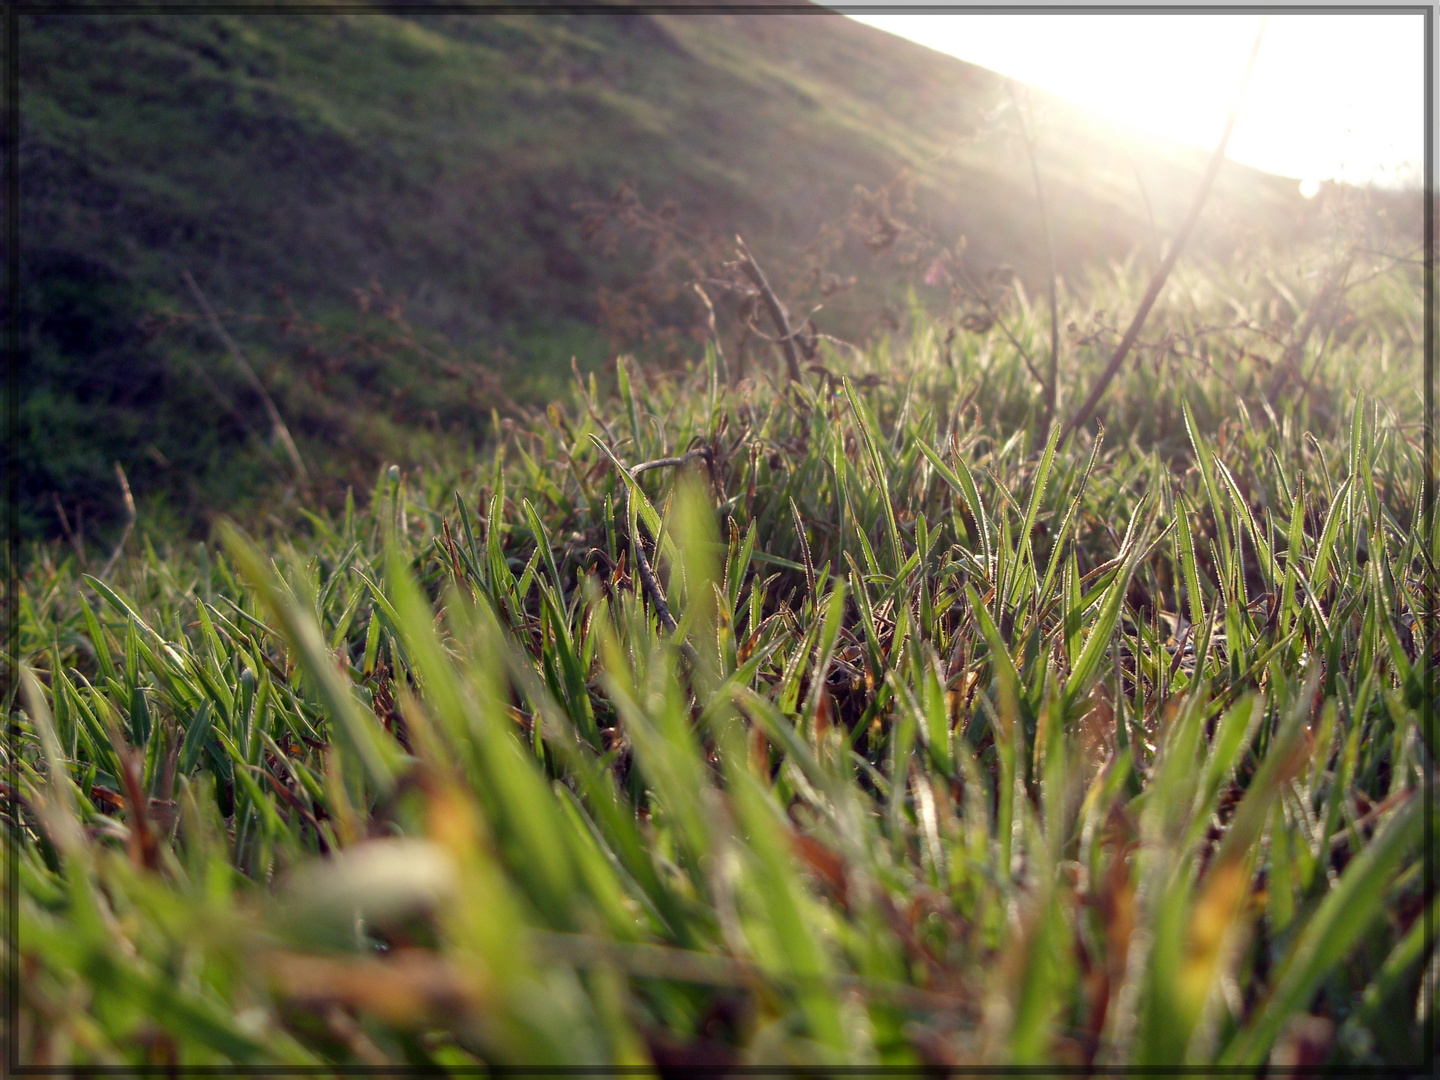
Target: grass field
691 726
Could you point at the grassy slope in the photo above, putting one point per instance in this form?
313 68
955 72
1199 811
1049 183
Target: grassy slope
942 779
441 156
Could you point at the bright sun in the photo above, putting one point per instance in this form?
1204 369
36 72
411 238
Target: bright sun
1333 96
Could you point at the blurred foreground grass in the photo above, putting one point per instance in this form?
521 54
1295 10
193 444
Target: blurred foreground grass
713 726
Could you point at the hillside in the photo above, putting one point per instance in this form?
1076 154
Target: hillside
388 209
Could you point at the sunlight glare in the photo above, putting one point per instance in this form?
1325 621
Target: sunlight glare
1333 96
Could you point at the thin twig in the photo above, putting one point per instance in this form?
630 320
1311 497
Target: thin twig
1229 383
1315 367
590 405
839 341
665 462
277 424
642 562
1371 816
1050 385
777 311
714 333
994 313
1395 259
1324 304
221 396
653 961
795 335
647 579
76 541
129 521
1162 273
1149 209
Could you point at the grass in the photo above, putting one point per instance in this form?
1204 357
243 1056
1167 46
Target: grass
867 732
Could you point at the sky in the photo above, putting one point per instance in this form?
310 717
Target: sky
1333 96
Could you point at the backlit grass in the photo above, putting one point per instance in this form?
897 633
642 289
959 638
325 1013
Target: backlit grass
869 731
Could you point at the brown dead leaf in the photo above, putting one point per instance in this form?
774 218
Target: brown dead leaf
825 864
408 988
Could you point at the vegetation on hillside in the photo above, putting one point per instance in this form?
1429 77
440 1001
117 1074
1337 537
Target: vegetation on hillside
842 722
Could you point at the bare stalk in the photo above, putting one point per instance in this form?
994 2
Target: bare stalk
73 536
652 586
686 965
993 313
1149 209
714 333
129 521
1325 305
642 561
777 311
1162 272
277 425
590 405
1051 384
660 463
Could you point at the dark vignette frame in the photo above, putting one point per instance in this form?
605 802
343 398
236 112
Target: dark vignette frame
10 12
